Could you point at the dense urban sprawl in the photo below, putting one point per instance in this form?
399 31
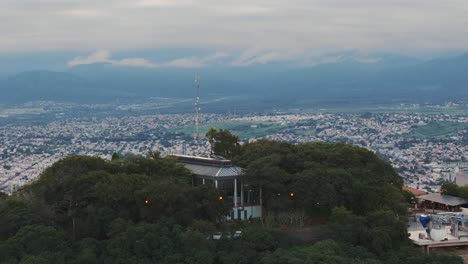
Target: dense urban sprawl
426 150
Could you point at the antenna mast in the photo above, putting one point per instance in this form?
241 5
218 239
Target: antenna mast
197 111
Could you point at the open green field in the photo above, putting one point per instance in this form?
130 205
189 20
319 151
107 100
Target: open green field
244 130
308 132
391 109
437 129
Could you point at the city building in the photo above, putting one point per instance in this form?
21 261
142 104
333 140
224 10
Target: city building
441 221
444 229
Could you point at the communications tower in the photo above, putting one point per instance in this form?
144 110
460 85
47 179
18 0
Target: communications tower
197 112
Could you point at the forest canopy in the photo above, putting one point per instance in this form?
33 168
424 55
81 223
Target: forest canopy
145 210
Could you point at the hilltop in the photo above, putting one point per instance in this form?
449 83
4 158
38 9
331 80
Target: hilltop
144 210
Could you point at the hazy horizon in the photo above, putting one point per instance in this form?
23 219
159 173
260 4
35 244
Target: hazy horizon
207 33
308 51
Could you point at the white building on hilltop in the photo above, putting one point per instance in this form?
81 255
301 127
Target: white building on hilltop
228 178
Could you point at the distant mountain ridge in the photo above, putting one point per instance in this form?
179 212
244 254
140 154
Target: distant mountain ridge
388 79
46 85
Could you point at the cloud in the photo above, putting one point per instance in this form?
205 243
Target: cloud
249 57
134 62
105 56
84 13
162 3
369 60
258 56
243 10
100 56
341 57
196 62
277 27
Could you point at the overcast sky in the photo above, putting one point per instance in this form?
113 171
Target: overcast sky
275 29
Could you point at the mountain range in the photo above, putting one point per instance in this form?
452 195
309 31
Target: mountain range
390 79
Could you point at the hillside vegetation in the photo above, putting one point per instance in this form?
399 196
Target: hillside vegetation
144 210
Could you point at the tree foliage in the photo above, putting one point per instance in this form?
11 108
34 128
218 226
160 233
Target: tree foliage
449 188
145 210
223 142
321 176
453 189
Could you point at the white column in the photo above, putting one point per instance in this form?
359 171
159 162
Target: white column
242 194
235 192
203 179
216 184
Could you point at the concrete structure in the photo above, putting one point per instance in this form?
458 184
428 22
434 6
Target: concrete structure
447 228
443 230
227 177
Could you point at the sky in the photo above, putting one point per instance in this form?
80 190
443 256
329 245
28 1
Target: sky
241 32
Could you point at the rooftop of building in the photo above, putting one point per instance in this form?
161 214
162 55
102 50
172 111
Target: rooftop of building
444 199
414 191
212 167
208 161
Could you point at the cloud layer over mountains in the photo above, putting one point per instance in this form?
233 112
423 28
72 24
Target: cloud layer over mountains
342 79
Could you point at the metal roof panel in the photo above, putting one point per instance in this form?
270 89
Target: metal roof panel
444 199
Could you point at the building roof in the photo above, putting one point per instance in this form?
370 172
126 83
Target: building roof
414 191
444 199
210 167
213 171
214 161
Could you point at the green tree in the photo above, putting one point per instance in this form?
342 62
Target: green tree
463 191
36 240
14 214
321 176
115 156
409 196
137 244
327 251
449 188
145 210
211 135
155 155
379 231
223 142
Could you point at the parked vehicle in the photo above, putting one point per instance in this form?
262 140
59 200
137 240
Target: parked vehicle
227 235
217 235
